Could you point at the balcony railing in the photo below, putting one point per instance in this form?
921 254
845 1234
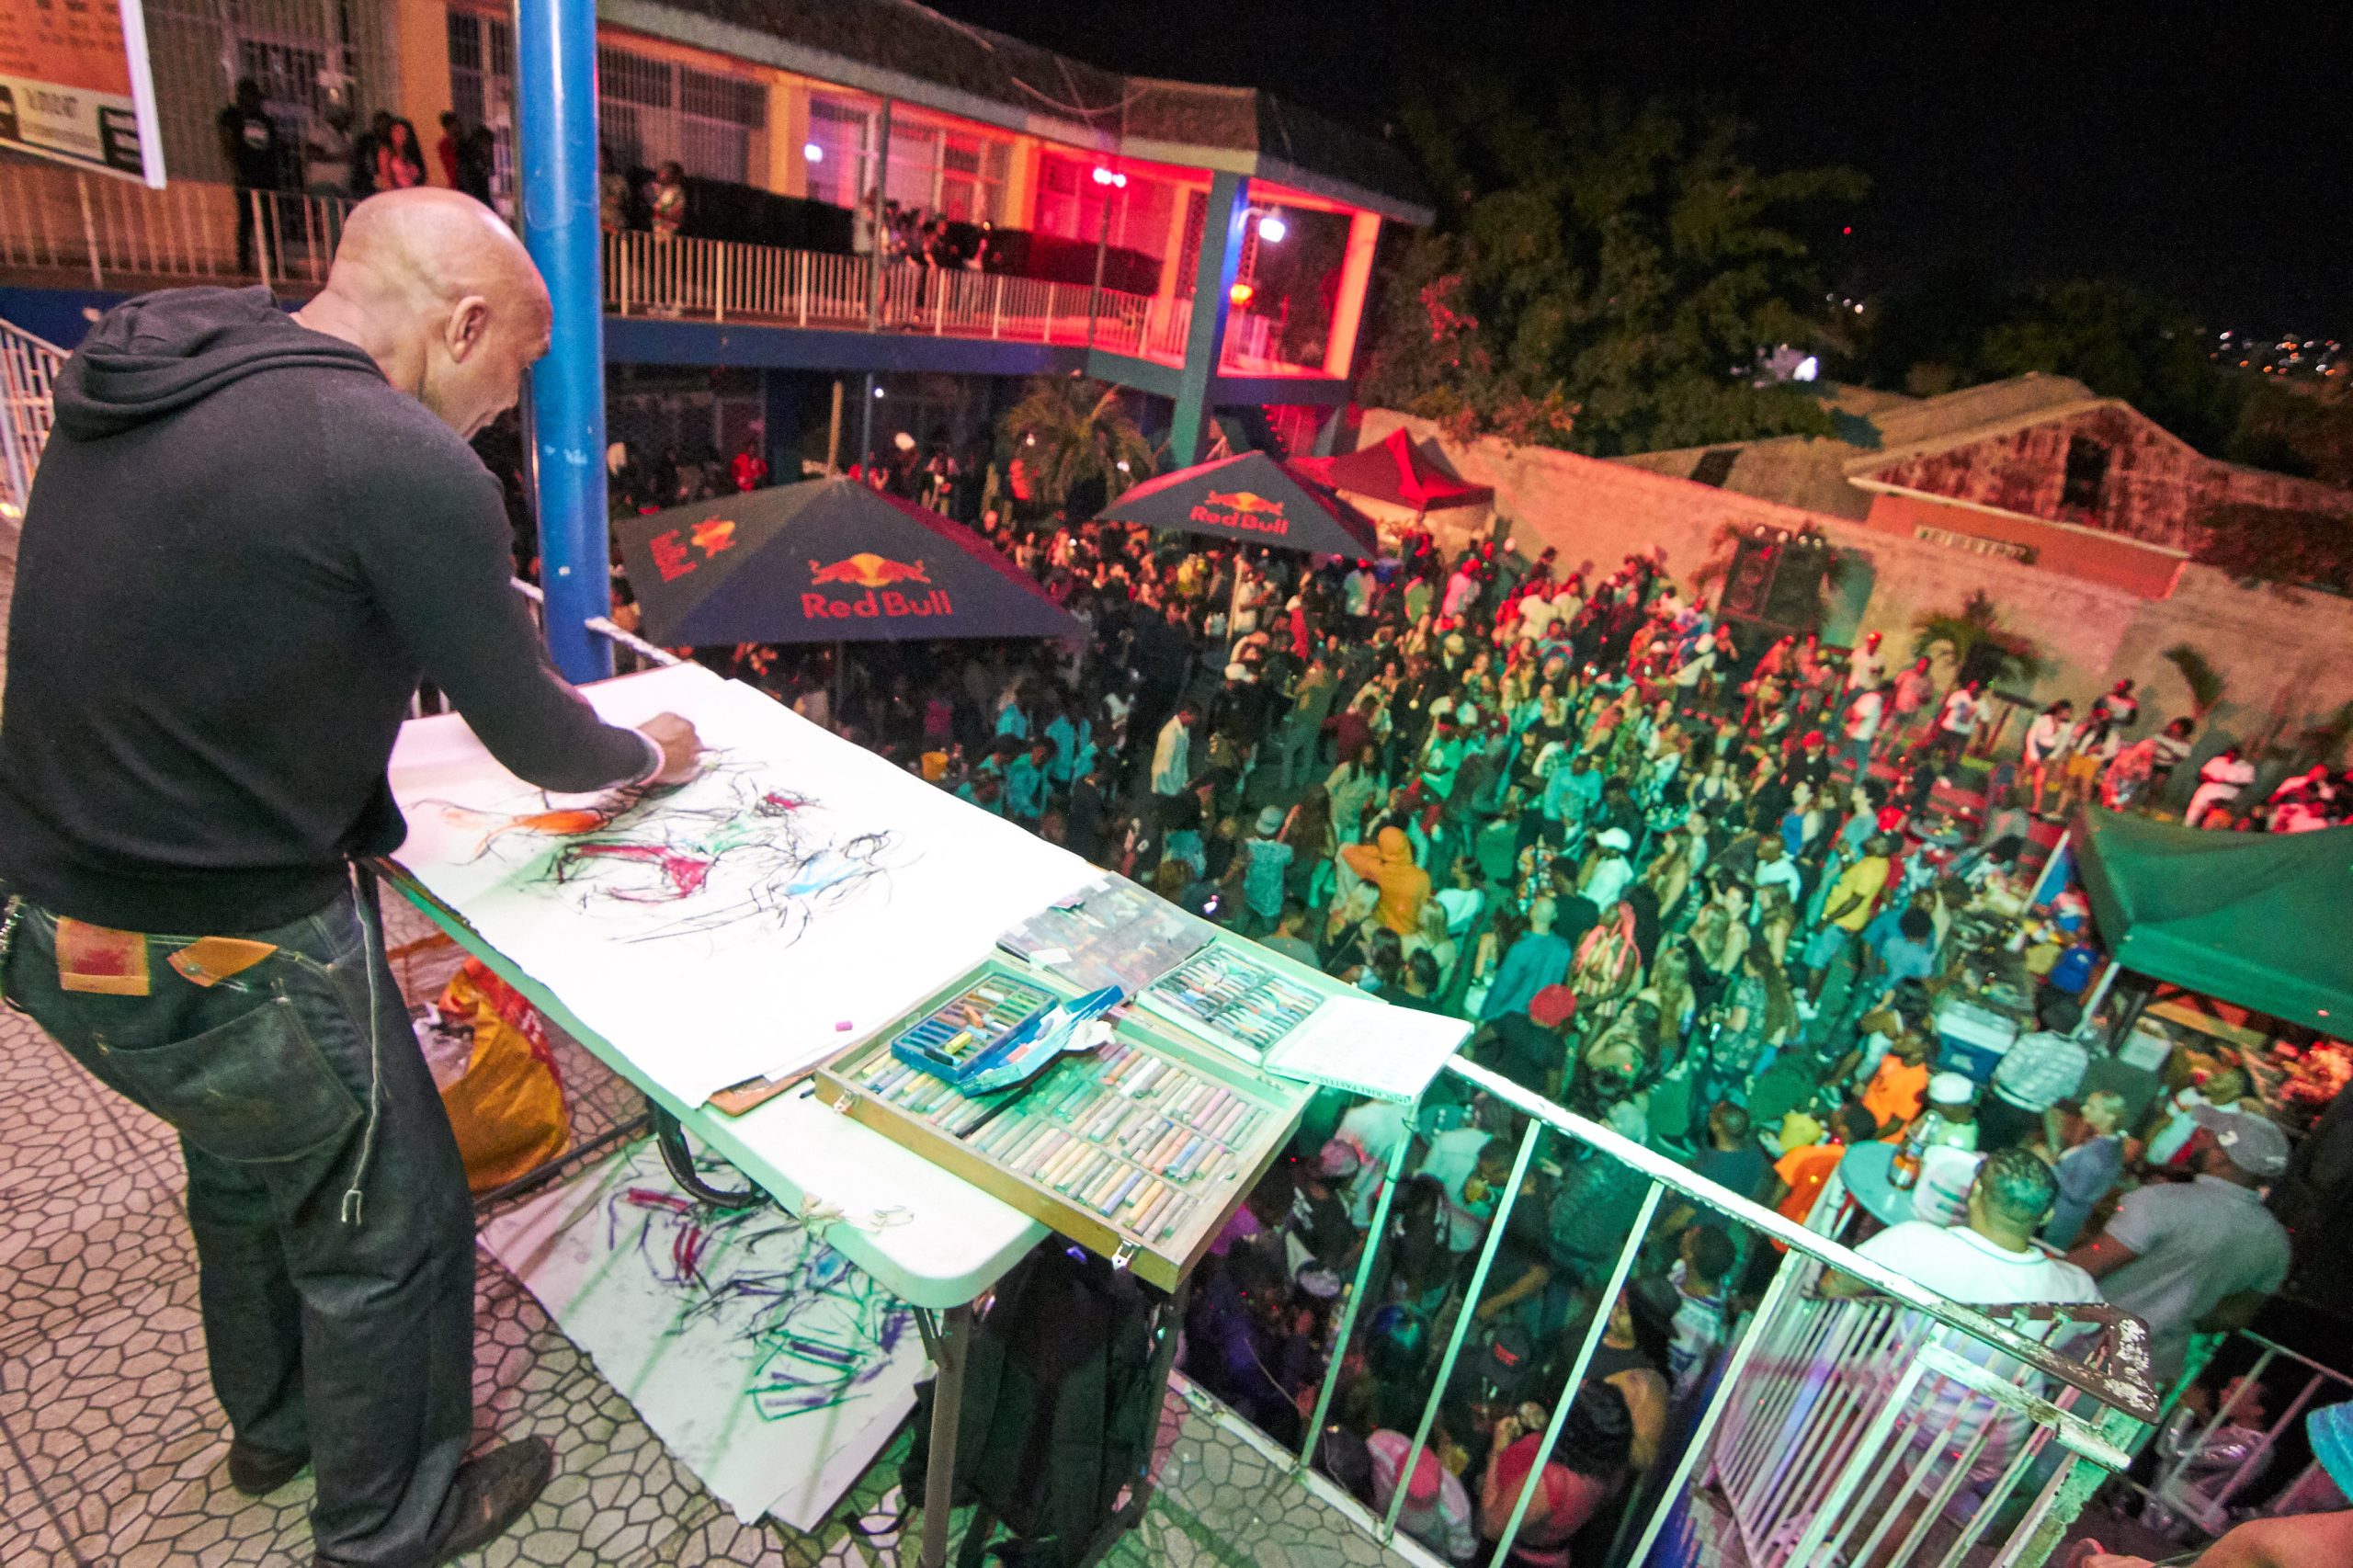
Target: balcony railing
1896 1430
28 367
116 234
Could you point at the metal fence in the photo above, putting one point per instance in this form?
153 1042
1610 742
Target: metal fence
28 367
115 235
2211 1467
1893 1429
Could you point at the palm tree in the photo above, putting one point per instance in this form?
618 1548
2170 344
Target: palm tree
1074 433
1976 621
2205 682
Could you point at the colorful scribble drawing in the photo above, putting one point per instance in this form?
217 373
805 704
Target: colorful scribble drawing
727 850
819 1330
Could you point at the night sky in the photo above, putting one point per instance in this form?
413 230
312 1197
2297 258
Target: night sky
2201 151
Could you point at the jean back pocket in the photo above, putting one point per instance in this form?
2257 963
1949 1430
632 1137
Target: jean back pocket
254 1089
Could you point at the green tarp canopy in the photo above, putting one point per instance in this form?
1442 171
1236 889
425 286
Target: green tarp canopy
2263 921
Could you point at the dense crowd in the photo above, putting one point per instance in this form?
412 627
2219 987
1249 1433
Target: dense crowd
1702 894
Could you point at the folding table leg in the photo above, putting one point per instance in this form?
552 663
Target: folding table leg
948 1347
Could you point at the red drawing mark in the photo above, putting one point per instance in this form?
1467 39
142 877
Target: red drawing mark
685 873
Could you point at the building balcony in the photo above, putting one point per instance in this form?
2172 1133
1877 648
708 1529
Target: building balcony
59 228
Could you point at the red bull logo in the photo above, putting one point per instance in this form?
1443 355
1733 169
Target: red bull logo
1242 509
675 550
881 577
867 570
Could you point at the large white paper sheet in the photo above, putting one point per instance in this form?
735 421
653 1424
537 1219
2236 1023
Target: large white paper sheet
728 929
770 1367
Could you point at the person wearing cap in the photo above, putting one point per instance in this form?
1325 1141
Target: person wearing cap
1437 1510
2090 1157
1266 870
2199 1256
1607 871
1530 1047
1950 1120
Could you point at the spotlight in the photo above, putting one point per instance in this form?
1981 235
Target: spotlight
1240 294
1271 227
813 152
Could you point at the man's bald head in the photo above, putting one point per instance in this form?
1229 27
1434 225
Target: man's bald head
443 296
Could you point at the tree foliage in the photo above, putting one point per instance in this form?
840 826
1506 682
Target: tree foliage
1602 275
2204 681
2269 544
1976 621
1076 436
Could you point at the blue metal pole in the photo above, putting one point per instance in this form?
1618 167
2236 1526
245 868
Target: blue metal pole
555 82
1221 260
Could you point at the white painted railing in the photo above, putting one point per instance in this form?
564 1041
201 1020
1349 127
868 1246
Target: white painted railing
1839 1430
2211 1466
115 235
28 367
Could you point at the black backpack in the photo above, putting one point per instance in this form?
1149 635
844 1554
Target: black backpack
1059 1408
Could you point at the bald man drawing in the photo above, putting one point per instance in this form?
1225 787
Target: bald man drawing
253 535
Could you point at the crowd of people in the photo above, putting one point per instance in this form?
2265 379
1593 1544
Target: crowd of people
1704 899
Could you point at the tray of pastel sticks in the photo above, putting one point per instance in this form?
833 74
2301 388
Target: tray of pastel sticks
1138 1149
1238 996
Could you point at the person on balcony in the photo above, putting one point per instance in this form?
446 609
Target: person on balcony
208 662
255 155
400 162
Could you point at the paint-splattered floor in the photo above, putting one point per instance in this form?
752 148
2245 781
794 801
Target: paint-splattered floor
112 1450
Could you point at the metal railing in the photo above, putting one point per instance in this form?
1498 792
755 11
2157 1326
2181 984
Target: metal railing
28 370
1896 1429
2209 1467
117 234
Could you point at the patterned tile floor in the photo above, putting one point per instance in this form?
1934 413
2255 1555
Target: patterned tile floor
112 1450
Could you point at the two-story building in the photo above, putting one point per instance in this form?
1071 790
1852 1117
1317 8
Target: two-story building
1083 215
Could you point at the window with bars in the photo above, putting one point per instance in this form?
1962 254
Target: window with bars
957 173
650 112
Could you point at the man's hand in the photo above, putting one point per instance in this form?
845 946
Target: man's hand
681 747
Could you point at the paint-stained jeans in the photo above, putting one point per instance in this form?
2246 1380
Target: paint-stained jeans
345 1335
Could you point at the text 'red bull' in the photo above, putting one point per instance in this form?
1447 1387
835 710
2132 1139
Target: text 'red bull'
880 577
1242 509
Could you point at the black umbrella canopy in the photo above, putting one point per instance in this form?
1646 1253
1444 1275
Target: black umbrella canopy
825 560
1254 498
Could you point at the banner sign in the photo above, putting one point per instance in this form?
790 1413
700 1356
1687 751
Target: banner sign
75 87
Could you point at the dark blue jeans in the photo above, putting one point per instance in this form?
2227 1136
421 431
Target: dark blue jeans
339 1326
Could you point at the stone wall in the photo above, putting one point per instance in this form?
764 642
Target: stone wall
2277 649
2157 488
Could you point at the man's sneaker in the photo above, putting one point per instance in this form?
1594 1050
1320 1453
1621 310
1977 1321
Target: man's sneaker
258 1471
489 1494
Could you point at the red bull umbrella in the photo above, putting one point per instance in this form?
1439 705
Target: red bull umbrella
1254 498
825 560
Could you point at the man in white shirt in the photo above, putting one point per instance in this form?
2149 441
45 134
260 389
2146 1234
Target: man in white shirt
1990 1263
1866 710
2046 745
1172 753
1956 721
1608 873
2220 782
2199 1256
1863 666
